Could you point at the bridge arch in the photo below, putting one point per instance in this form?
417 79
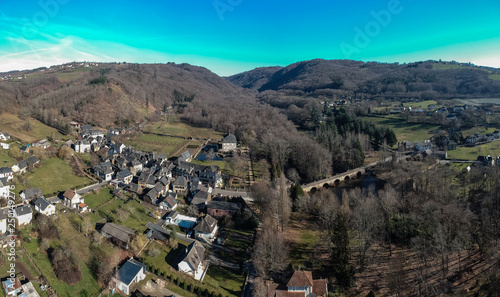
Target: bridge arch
313 190
337 182
358 175
347 178
326 186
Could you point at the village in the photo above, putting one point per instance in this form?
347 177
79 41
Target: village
180 211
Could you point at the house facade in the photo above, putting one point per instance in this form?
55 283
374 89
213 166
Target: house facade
192 261
72 199
44 207
229 143
24 214
301 284
131 272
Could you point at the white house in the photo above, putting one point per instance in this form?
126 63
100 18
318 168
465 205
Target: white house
72 199
6 172
24 214
206 229
45 207
192 261
4 145
229 143
3 220
4 136
125 176
131 272
4 187
82 146
31 194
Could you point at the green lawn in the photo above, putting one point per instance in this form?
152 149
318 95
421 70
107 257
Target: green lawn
54 176
98 198
178 128
495 76
12 124
478 129
87 283
420 104
109 210
6 159
471 153
71 74
442 66
226 279
156 143
414 132
139 216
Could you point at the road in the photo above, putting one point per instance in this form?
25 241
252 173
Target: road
82 191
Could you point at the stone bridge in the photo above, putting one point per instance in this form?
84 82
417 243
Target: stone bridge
345 176
334 180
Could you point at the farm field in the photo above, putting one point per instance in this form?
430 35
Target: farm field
161 144
178 128
54 176
421 104
12 124
414 132
471 153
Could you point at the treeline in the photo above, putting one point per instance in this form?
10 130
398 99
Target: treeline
442 217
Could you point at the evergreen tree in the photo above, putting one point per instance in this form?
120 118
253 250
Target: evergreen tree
341 252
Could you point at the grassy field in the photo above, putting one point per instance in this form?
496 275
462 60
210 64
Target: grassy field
495 76
175 127
414 132
98 198
442 66
420 104
161 144
5 158
478 129
12 124
226 279
471 153
71 74
55 175
87 283
139 216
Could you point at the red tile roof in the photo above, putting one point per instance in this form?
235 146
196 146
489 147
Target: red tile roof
301 278
319 287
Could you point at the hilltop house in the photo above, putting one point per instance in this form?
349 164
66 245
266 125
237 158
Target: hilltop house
191 261
229 143
26 164
45 207
301 284
72 199
4 136
131 272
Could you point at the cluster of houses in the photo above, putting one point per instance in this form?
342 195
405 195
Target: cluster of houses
472 140
451 112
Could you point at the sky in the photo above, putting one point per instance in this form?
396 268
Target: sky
232 36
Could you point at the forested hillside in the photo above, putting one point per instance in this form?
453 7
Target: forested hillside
424 80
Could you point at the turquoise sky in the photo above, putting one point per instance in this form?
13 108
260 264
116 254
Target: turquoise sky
230 36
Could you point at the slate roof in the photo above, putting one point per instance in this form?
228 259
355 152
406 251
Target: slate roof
118 231
229 138
33 193
42 203
5 170
123 174
207 225
186 155
3 182
223 205
4 213
23 210
194 254
170 201
319 287
181 181
129 271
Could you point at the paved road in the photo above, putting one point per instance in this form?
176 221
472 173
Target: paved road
82 191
